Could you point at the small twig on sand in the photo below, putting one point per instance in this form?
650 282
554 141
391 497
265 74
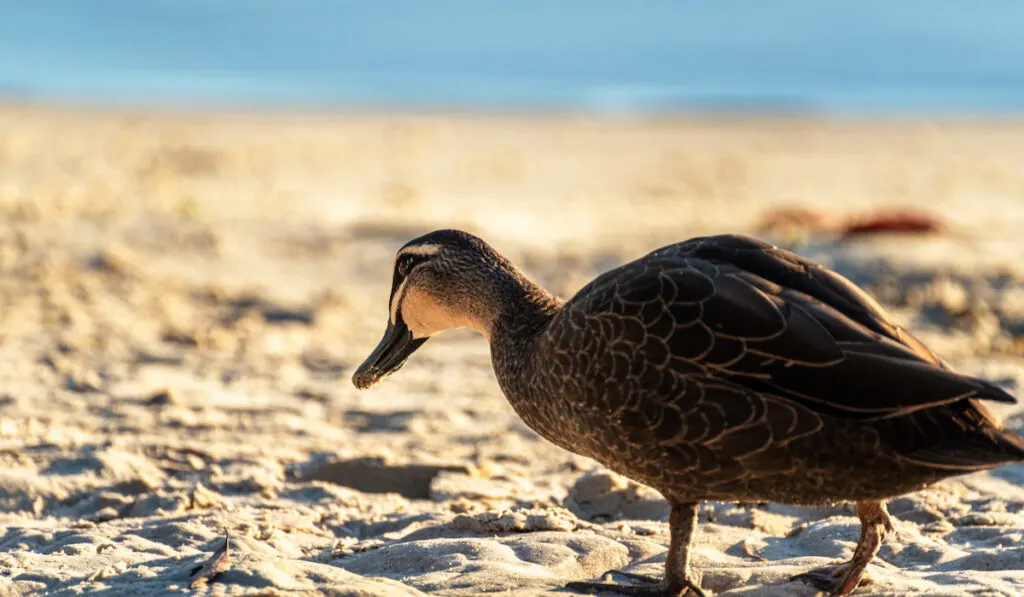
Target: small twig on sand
749 551
218 563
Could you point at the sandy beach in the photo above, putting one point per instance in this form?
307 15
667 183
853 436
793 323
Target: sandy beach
184 297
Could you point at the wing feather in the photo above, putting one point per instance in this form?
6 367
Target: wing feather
768 321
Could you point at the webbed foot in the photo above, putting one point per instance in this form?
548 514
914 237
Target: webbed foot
836 581
647 586
840 581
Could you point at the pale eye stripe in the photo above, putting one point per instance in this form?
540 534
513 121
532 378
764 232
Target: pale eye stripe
396 300
422 250
419 251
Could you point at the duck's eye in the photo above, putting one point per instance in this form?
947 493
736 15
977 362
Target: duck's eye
403 267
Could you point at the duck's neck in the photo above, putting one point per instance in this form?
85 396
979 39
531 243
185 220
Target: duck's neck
523 312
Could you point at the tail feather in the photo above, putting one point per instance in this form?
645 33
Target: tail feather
991 391
991 449
1014 442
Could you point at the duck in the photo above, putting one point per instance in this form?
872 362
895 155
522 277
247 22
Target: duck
721 368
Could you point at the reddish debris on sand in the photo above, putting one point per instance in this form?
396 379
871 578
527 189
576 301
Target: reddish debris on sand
880 221
892 221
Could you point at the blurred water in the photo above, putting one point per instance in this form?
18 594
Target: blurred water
922 56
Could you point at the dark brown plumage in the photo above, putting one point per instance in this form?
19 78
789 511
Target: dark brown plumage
720 368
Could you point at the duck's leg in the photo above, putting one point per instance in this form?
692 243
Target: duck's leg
875 523
682 522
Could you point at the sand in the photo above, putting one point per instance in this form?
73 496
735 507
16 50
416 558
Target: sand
183 298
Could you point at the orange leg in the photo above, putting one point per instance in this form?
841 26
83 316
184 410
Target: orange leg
875 524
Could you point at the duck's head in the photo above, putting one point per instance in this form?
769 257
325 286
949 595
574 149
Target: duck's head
443 280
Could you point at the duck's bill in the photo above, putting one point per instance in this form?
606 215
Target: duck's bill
394 350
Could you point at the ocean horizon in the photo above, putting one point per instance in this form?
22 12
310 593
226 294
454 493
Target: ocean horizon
793 56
